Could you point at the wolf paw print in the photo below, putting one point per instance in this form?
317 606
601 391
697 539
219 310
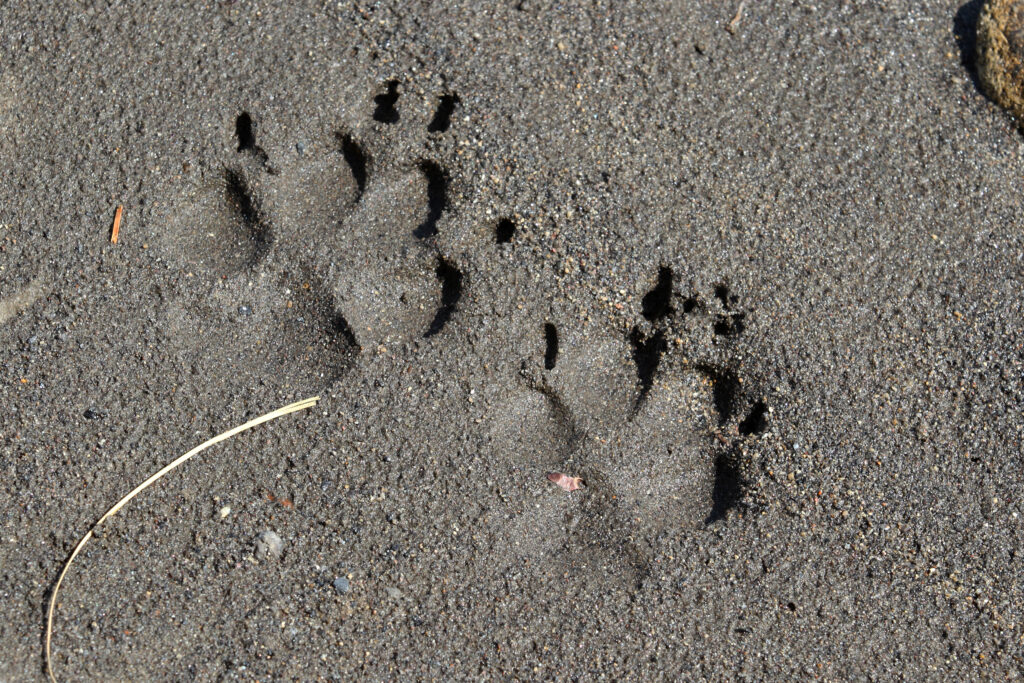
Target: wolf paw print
313 257
652 421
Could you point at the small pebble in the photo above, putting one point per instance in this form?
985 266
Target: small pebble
394 593
224 511
92 414
342 585
244 310
300 147
269 545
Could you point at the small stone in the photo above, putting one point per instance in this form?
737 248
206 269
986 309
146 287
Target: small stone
244 310
269 545
224 511
1000 44
342 585
92 414
394 593
300 147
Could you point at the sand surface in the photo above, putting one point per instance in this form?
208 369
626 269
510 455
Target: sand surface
754 277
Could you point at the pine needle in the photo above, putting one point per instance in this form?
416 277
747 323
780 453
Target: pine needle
280 412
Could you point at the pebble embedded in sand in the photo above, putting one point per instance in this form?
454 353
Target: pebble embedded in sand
342 585
269 545
1001 54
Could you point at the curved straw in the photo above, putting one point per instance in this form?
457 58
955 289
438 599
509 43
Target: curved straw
280 412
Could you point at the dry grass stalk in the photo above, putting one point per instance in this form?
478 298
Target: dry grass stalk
280 412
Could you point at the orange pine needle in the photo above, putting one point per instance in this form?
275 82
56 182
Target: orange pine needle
117 224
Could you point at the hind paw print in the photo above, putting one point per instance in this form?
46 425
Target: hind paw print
653 421
312 258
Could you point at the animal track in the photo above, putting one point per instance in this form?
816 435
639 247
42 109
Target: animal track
247 137
443 117
504 231
386 112
336 250
653 422
329 253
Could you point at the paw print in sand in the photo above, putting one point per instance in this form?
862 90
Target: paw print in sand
652 421
307 260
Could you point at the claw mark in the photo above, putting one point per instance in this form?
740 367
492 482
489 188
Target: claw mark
245 132
755 422
443 117
551 343
722 294
504 231
657 303
386 112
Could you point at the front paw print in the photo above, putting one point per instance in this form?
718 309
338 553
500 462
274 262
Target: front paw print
302 263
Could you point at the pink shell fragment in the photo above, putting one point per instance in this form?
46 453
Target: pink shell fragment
565 481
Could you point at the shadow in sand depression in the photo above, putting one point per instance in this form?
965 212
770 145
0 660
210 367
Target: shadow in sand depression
965 32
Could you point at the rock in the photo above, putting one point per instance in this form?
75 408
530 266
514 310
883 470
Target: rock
394 593
1001 54
342 585
92 414
269 546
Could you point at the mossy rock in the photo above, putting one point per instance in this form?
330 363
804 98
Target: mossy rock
1001 54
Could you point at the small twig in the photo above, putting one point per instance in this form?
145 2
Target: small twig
117 224
280 412
731 28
